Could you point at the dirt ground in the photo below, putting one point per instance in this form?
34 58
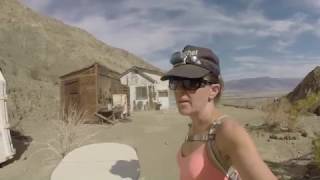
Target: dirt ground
157 135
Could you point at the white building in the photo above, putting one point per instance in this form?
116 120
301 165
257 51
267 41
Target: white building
147 91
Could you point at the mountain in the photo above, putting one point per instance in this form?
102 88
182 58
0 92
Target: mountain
310 84
261 84
35 50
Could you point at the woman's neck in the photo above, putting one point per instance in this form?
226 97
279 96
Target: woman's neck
202 120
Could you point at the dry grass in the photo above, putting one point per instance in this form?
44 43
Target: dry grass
277 116
284 115
316 150
66 131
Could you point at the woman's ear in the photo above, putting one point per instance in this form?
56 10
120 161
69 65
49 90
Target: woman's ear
214 91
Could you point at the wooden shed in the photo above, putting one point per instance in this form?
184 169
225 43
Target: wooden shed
91 90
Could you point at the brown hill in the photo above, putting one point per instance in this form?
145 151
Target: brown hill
36 50
310 84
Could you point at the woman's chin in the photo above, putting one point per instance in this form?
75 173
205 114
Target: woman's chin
185 111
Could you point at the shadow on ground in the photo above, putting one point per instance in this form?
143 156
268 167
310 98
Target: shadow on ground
20 143
126 169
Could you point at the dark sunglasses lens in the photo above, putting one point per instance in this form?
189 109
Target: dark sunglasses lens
172 84
187 84
176 58
191 84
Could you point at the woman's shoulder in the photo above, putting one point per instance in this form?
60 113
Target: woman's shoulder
231 133
228 126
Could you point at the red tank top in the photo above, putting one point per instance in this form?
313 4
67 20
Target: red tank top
197 166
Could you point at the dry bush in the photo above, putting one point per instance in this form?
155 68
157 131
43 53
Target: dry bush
284 115
277 114
316 150
66 131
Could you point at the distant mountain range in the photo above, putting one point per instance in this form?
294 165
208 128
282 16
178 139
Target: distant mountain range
262 84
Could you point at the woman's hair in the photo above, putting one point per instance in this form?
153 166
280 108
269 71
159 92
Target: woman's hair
216 80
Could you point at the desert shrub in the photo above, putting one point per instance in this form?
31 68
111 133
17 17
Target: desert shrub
283 114
276 113
302 106
66 131
316 150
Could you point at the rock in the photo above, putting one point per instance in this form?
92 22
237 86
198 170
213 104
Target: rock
299 152
304 133
273 136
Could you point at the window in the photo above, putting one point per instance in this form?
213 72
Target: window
163 93
141 93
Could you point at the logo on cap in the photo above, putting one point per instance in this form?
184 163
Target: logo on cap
191 52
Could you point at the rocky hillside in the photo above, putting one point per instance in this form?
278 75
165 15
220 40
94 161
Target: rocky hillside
36 50
310 84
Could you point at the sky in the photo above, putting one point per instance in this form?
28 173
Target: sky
252 38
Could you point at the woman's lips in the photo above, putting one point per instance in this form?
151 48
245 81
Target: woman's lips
183 101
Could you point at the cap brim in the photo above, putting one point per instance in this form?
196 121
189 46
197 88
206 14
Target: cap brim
185 71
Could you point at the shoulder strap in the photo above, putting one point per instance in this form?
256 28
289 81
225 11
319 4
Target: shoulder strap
214 154
212 151
215 158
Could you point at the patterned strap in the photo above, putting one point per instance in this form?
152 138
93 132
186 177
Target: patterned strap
215 155
213 152
197 137
216 124
210 135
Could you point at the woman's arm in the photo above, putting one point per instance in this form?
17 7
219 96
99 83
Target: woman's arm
235 142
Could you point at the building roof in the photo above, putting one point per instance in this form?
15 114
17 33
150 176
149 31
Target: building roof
140 69
145 76
85 69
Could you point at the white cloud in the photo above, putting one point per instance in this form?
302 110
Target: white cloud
245 47
312 3
140 39
139 34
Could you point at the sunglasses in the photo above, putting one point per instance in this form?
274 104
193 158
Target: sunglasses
183 58
188 84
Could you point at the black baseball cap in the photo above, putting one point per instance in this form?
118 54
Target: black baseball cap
193 62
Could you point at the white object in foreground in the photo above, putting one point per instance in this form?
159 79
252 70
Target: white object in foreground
6 149
104 161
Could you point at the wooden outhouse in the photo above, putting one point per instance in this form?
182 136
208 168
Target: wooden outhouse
91 90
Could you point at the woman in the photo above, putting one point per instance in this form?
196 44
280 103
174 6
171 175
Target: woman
215 143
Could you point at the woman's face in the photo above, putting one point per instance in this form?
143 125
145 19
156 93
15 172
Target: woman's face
193 101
